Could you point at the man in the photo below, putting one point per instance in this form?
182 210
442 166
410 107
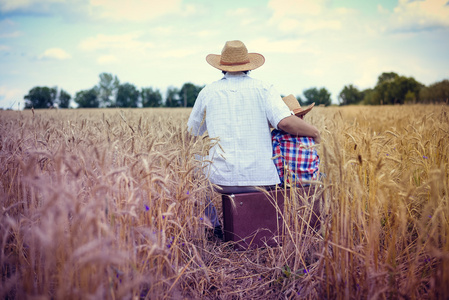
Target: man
239 111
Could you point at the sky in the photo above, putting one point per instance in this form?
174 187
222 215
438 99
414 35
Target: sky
160 44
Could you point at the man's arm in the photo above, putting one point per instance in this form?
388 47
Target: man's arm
299 127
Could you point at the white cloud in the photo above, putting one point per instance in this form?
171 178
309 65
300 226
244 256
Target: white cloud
282 8
368 70
122 41
306 16
107 59
289 24
13 34
7 22
249 21
345 11
10 98
281 46
4 48
419 15
179 53
245 16
164 31
7 29
55 53
134 10
189 10
206 33
110 10
239 12
382 10
26 5
309 25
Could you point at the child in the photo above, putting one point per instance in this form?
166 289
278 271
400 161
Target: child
295 157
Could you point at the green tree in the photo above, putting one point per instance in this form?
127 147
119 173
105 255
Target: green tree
40 97
188 94
150 97
350 95
64 99
172 99
410 97
107 87
435 93
369 97
127 96
393 89
386 77
87 98
319 96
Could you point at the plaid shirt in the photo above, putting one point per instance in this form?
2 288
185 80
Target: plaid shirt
295 157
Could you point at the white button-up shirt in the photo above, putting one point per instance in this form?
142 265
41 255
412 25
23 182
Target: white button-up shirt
239 110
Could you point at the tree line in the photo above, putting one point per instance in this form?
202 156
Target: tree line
392 88
109 92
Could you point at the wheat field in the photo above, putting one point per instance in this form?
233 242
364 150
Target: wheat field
109 204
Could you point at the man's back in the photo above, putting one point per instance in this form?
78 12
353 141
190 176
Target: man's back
238 112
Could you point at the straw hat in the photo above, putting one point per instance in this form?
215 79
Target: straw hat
295 107
235 57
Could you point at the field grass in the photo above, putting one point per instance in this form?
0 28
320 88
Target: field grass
109 204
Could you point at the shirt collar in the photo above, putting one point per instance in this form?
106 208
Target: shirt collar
234 74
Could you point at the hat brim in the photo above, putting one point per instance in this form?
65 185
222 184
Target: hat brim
255 60
301 112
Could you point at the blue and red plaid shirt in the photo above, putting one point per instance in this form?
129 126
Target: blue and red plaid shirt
295 157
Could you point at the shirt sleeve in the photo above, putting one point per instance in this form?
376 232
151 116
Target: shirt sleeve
197 123
276 107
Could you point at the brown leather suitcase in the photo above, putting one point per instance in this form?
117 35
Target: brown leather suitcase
253 220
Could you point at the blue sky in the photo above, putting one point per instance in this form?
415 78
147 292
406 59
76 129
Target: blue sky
319 43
